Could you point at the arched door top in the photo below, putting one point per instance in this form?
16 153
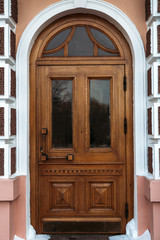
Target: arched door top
81 36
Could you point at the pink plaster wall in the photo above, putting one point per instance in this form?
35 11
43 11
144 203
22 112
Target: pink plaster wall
134 9
13 208
148 194
20 210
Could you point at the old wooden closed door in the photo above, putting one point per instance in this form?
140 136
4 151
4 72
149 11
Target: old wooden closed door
80 108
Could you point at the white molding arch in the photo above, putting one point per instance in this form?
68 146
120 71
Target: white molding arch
124 24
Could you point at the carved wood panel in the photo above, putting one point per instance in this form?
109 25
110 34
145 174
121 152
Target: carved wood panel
62 196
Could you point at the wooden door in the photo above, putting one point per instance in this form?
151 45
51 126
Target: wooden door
81 136
82 158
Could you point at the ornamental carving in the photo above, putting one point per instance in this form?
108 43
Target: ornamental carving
107 172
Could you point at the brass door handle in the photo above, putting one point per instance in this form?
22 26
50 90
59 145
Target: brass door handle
69 157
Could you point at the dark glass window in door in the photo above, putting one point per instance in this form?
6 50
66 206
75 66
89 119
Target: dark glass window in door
100 113
62 113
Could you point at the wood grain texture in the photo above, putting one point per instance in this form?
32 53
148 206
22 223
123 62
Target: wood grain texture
98 182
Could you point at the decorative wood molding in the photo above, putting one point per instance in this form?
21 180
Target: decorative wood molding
107 172
1 81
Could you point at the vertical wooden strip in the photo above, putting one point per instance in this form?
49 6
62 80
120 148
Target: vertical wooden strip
1 6
1 81
1 121
66 50
1 161
150 159
158 38
147 9
149 82
148 39
13 121
13 44
149 111
13 160
14 10
95 50
1 40
13 83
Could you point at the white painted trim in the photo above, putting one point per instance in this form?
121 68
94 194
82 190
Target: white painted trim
126 26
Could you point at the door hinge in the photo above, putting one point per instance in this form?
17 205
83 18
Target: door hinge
124 83
126 210
125 125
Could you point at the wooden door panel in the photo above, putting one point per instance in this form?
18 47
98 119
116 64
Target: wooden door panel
81 131
92 185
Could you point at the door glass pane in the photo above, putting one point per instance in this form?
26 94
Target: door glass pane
80 45
100 113
62 113
58 39
102 39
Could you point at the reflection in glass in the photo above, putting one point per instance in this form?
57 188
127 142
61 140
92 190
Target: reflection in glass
102 39
62 113
100 113
58 39
80 45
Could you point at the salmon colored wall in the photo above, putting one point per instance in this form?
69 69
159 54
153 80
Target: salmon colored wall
134 9
20 210
148 195
13 208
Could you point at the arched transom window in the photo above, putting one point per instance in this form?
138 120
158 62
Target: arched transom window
82 41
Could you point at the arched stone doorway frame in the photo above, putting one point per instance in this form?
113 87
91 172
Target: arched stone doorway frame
124 24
